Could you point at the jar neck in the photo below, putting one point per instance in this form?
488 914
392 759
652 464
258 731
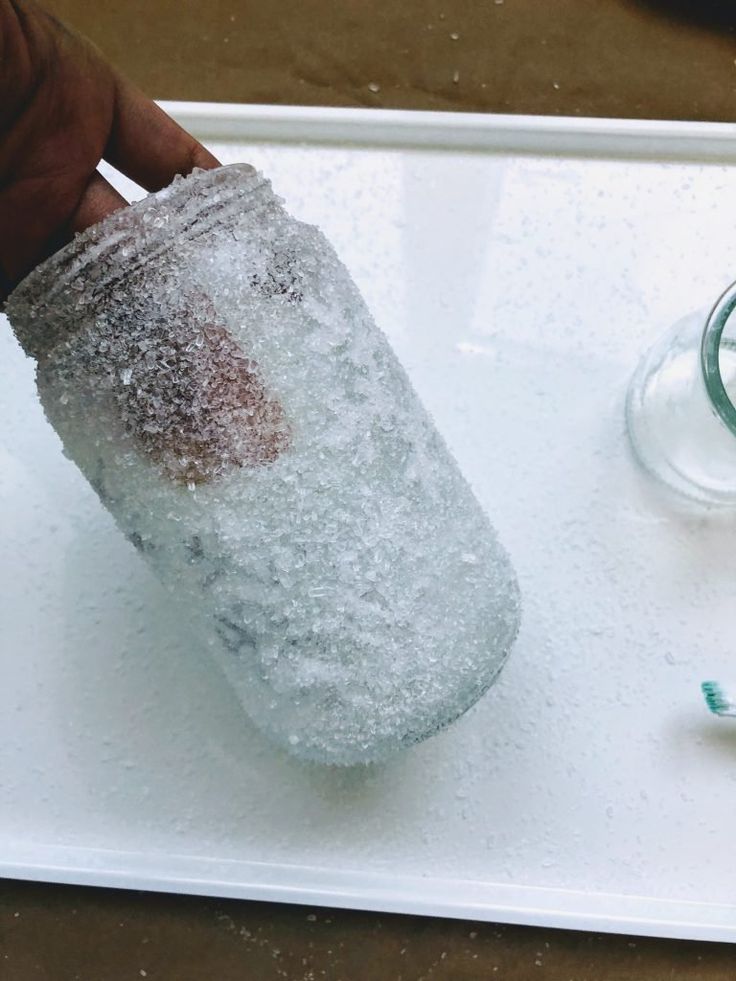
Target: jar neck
54 300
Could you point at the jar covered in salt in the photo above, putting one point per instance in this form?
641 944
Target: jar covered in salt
213 371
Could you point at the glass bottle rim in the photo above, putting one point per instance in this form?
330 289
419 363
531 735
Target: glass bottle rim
710 349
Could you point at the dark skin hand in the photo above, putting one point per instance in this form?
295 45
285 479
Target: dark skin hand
63 108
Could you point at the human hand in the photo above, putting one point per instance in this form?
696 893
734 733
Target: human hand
63 108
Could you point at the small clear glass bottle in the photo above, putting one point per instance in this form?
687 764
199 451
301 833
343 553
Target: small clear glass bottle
213 371
680 417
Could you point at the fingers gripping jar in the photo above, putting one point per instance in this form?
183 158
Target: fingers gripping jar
213 371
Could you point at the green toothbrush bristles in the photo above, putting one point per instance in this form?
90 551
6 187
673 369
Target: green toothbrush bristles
716 698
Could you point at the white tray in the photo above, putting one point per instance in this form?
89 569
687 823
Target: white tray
519 267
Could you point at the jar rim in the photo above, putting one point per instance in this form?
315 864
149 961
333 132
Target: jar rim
148 227
710 349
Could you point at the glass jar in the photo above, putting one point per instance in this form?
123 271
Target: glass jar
213 371
680 417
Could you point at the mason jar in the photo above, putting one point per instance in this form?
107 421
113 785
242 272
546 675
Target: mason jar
212 370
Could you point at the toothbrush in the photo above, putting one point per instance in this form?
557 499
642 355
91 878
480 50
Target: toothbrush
717 699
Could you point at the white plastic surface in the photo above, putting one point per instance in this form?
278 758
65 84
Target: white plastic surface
590 788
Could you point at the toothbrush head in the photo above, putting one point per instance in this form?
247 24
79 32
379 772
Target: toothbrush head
717 699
